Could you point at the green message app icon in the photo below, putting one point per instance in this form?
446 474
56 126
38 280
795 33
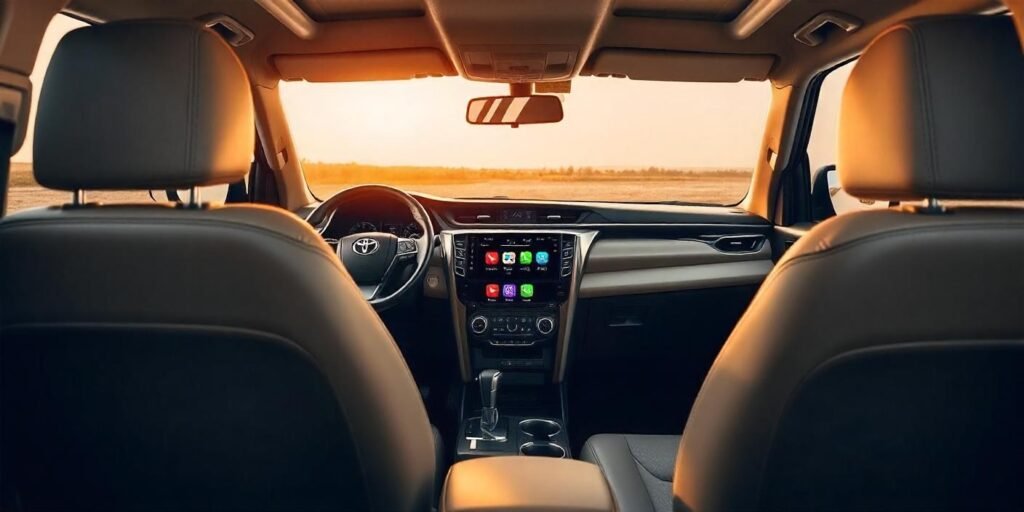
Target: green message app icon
526 291
525 258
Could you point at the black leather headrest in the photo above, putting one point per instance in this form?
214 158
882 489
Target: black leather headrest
143 105
935 109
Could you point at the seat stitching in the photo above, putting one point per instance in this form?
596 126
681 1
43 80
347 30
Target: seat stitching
190 102
615 499
926 106
650 494
641 464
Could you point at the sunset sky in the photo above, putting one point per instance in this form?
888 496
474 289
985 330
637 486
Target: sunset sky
608 123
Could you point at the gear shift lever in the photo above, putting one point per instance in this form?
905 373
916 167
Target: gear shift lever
489 381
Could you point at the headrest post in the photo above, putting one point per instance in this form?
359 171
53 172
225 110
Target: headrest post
78 197
193 197
932 205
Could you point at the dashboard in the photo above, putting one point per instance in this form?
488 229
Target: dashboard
514 271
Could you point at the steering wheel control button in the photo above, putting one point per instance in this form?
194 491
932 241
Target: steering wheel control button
406 246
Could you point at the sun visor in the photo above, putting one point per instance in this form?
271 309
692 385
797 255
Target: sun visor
364 66
670 66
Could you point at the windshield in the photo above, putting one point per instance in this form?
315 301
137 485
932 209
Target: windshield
620 140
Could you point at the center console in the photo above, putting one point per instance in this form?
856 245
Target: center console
512 298
513 294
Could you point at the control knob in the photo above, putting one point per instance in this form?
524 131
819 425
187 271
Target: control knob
478 324
545 325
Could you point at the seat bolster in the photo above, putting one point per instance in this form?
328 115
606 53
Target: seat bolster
638 469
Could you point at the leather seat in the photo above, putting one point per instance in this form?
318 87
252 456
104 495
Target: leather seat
163 357
879 365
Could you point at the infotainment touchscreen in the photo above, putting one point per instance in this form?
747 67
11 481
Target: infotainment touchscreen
513 268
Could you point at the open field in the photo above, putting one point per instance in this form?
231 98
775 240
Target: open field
717 186
718 191
26 193
647 185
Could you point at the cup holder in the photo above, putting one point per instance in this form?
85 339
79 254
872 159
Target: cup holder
540 429
542 449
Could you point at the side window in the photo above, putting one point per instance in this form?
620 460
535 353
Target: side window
823 146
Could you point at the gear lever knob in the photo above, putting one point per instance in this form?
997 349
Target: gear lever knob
489 381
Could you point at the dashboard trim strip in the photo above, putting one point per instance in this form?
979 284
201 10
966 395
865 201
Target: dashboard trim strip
676 278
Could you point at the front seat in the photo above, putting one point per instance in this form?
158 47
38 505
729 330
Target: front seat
161 357
881 364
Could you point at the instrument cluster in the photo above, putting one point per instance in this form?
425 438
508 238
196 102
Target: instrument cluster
399 229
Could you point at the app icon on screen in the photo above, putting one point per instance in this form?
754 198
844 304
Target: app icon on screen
492 291
525 258
508 258
543 257
526 290
491 258
508 291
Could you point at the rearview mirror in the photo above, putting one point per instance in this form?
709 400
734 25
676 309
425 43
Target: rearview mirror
514 110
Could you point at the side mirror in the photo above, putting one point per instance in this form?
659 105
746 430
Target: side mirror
514 110
828 197
822 191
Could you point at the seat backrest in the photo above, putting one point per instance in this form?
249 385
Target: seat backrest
881 364
158 357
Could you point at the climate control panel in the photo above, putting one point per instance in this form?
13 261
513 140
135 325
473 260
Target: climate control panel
507 328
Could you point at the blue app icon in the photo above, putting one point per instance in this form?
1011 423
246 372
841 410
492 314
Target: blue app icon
542 257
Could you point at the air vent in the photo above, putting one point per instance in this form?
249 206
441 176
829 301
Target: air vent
475 216
559 216
739 243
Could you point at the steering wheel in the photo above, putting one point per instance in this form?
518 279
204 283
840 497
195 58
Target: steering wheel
374 259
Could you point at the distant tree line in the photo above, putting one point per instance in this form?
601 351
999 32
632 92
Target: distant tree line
320 172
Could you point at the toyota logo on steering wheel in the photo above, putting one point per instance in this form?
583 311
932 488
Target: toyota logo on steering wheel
365 246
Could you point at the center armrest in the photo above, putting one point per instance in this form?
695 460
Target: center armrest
526 483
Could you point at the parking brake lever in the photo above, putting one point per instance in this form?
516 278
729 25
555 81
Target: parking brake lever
489 381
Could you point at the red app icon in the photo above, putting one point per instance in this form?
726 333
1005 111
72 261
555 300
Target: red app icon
491 258
493 290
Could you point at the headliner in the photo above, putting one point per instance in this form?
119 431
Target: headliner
670 39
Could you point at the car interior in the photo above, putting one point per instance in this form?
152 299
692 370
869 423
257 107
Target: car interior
193 316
